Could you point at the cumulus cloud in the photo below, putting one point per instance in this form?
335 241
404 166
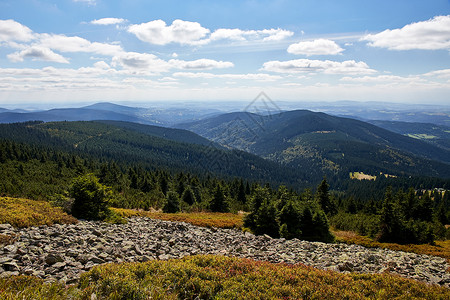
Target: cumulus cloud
244 35
37 53
250 76
141 61
157 32
316 47
108 21
317 66
64 43
433 34
11 30
275 34
444 73
200 64
155 65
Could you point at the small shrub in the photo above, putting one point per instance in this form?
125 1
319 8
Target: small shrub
91 198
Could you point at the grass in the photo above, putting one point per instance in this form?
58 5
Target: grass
217 277
26 213
361 176
204 219
33 288
441 249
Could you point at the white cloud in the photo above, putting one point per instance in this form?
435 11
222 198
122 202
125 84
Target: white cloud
11 30
256 77
141 61
158 33
439 73
151 63
433 34
108 21
316 47
320 66
200 64
101 65
37 53
244 35
275 34
387 79
230 34
192 33
64 43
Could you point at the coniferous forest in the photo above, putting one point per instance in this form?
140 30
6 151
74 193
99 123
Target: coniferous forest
48 160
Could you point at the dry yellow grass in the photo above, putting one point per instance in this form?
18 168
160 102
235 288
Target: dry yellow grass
441 249
204 219
21 213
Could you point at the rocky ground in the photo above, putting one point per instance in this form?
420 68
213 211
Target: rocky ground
63 252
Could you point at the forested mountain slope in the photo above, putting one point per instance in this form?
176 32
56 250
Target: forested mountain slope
438 135
323 143
140 145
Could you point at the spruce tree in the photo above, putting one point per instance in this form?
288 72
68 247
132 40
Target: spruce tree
91 198
323 197
218 203
188 196
172 204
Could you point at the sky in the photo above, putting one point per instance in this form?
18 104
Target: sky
70 51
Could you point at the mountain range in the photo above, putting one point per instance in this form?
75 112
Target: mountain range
306 144
317 141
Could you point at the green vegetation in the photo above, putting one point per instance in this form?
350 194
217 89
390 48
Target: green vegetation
288 215
404 218
139 170
317 144
27 287
216 277
91 198
25 213
140 145
441 248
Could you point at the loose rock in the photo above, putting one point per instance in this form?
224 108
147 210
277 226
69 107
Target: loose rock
63 252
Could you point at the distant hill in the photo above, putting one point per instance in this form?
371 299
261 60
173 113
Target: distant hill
110 111
66 114
177 135
437 135
144 145
323 143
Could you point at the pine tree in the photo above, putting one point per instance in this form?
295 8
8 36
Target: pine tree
172 204
241 198
391 226
323 197
218 203
188 196
91 198
290 218
266 220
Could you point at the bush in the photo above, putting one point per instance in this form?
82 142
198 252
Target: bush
91 198
363 224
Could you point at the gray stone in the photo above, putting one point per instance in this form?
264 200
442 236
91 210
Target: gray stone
11 266
52 258
10 248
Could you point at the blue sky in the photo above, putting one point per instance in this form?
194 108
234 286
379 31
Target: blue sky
70 51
